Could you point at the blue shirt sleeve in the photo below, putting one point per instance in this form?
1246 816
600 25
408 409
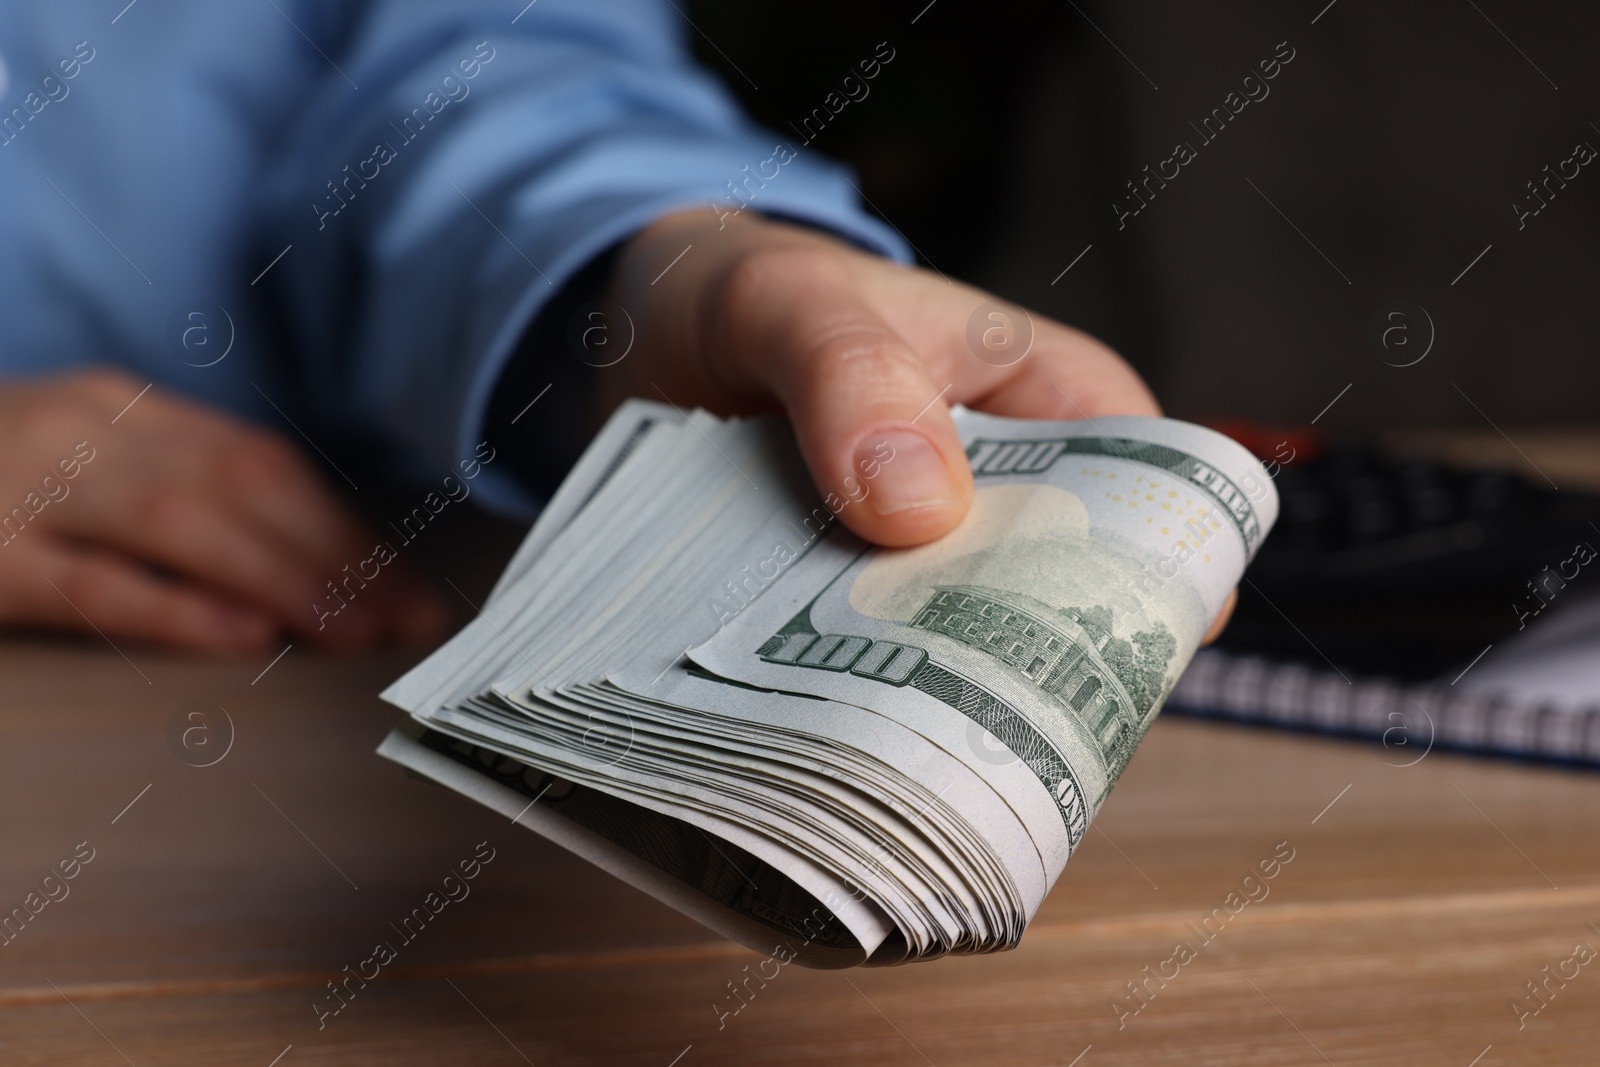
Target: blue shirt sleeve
459 165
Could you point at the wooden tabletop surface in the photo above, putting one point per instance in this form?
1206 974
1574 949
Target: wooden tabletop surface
219 902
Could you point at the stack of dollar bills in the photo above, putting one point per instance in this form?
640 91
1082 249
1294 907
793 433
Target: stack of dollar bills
693 675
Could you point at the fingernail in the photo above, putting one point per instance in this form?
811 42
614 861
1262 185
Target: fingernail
910 472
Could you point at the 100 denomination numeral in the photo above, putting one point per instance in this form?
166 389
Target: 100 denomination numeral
883 661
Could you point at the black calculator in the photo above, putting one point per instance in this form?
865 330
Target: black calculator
1402 566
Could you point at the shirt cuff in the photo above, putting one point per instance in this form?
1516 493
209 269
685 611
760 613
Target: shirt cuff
819 196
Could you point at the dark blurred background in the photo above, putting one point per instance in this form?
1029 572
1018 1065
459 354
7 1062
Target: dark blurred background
1386 157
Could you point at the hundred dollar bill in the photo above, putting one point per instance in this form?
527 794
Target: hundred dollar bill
1055 619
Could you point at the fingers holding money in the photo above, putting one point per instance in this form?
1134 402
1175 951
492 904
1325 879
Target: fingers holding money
870 418
1220 623
866 356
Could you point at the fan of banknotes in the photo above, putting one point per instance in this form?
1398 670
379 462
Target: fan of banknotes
694 676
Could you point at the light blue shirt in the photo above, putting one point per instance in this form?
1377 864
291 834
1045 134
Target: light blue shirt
370 201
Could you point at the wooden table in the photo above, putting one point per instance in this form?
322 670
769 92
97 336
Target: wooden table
220 900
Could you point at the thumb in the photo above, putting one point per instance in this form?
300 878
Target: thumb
872 423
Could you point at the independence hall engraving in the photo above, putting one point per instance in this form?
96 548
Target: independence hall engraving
1061 652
